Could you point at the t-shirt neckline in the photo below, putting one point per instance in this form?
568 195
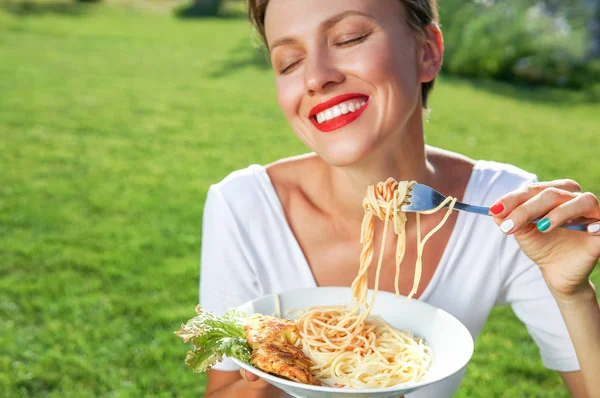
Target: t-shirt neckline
261 172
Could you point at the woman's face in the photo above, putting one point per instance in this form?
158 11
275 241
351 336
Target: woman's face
348 73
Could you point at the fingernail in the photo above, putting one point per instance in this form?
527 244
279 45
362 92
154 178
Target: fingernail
507 226
497 208
593 228
543 224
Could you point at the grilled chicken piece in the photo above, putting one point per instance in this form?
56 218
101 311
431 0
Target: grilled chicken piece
284 360
273 348
267 329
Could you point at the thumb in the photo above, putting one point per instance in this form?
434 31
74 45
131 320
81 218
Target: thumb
248 376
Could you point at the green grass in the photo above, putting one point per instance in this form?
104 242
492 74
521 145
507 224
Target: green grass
113 124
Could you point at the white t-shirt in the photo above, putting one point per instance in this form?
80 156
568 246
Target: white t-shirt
249 250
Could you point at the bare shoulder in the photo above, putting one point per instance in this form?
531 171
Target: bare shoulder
293 175
448 158
442 158
288 168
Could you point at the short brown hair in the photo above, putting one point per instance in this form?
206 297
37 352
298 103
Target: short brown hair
420 14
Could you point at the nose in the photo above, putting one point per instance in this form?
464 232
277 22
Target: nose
321 72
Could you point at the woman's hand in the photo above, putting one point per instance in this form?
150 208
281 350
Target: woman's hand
256 381
565 257
223 384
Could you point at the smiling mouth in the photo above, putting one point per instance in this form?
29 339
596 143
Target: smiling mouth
338 112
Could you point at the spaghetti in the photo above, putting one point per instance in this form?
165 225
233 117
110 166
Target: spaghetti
349 347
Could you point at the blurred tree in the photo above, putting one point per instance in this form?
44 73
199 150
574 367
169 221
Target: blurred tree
593 50
591 10
537 41
207 7
200 8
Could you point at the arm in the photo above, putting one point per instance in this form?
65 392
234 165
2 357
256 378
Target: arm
574 382
582 317
231 384
566 259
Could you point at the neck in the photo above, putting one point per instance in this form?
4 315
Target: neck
403 159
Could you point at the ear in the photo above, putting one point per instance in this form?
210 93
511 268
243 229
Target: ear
431 53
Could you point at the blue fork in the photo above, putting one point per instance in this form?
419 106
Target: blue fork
423 198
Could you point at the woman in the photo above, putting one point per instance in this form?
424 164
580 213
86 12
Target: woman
353 77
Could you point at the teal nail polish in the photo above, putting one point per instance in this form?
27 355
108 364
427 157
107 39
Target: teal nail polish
543 224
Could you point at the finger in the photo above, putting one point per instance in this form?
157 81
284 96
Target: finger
507 203
535 207
581 207
248 376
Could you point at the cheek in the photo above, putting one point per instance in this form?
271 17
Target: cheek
290 91
394 73
383 59
395 67
289 95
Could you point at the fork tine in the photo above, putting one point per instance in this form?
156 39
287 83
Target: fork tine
422 198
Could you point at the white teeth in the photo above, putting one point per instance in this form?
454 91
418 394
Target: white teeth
339 110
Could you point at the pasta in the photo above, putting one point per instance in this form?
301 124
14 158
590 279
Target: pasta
351 348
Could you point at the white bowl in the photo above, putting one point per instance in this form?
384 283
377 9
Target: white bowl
449 339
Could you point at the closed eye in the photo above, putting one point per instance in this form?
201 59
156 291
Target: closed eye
289 68
354 40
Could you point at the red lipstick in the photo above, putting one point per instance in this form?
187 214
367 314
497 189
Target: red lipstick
339 121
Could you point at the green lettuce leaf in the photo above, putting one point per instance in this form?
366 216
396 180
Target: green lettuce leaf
214 337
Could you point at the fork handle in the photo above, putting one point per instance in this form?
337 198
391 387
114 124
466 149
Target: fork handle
486 211
472 209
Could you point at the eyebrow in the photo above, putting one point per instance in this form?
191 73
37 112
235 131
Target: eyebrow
324 26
